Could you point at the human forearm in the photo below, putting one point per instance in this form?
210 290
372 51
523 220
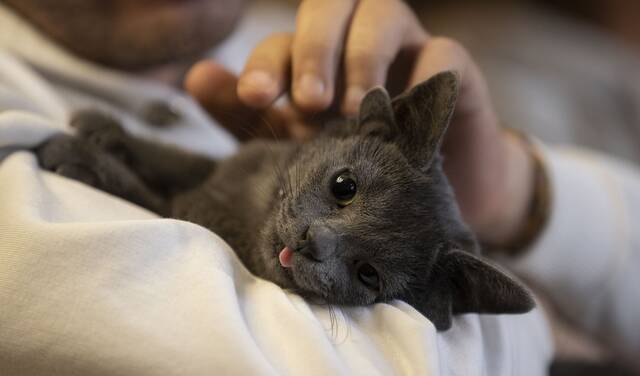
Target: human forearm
588 256
506 219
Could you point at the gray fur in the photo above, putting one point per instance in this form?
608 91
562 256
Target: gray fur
404 220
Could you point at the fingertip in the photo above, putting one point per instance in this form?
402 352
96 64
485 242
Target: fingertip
311 93
194 77
257 89
206 79
352 100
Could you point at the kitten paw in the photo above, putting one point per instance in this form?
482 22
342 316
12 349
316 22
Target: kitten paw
102 131
67 156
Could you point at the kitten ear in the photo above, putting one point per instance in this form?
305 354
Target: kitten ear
376 114
478 286
463 283
422 116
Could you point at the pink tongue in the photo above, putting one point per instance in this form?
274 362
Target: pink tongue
285 257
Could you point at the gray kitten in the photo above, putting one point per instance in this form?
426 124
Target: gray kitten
361 214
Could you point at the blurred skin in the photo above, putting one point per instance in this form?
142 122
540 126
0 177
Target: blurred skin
341 48
133 34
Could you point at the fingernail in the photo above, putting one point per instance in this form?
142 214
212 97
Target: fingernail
257 81
353 98
310 87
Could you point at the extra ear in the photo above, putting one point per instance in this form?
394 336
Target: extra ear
463 283
422 116
376 114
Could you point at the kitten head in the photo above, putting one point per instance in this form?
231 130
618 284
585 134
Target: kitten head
369 216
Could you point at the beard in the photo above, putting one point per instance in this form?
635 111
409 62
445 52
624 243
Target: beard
133 34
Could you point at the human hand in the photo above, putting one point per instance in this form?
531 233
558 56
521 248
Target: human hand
343 48
305 64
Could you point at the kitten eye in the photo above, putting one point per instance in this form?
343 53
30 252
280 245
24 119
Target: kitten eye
343 188
368 275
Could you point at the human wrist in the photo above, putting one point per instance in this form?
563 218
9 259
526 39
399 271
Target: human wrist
516 194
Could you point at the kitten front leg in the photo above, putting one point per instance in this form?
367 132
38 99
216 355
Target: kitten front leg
164 168
73 158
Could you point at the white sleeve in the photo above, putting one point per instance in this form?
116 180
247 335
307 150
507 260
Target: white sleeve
588 258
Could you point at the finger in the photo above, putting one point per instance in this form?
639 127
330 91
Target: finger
442 54
321 26
439 54
212 86
215 89
377 33
266 73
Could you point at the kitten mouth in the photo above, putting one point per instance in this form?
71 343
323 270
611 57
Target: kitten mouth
285 256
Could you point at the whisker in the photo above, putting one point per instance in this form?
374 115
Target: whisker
249 129
335 312
275 136
297 170
332 321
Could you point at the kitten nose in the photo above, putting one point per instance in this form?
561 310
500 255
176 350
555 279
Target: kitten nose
321 242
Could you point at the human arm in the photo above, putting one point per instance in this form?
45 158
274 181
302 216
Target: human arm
588 256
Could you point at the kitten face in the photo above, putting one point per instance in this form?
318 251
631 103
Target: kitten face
379 244
366 215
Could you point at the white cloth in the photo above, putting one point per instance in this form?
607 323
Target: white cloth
588 259
90 284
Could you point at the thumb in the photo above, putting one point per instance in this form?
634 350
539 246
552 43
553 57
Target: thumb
215 88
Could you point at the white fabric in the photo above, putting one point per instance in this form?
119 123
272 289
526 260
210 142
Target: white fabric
588 259
90 284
